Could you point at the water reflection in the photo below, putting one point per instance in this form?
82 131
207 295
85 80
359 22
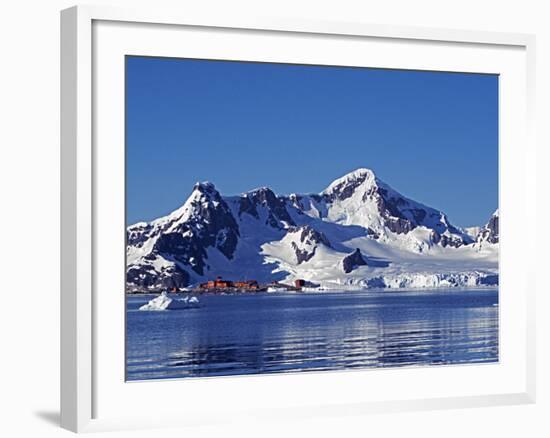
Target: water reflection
288 333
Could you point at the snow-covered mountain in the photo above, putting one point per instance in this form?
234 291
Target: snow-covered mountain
358 232
488 234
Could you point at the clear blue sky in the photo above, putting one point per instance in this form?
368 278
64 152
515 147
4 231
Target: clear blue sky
432 136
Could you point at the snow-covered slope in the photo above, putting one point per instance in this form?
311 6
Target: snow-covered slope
358 232
472 231
361 199
487 237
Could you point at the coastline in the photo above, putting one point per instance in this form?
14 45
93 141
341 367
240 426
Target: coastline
320 291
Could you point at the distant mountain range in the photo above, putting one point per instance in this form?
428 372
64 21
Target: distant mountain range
357 233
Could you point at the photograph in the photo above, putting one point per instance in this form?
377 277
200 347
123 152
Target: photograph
285 218
290 219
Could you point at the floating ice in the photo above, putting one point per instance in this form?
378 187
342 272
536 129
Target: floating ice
164 302
277 289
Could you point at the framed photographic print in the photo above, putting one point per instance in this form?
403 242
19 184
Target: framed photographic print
252 208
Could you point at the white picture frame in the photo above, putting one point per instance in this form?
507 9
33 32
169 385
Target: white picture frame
83 371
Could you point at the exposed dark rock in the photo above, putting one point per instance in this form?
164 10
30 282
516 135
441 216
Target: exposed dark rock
309 241
376 282
389 208
302 255
138 234
352 261
445 240
187 249
489 280
209 223
346 188
489 233
145 276
247 206
372 234
310 236
265 197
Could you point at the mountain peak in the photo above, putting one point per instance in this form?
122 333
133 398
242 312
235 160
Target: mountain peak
258 190
354 178
205 187
203 192
362 171
490 232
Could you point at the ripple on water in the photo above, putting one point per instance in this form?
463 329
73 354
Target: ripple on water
269 334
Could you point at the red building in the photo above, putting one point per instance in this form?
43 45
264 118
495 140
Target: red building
299 283
247 284
218 283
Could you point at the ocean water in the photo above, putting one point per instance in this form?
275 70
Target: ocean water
286 332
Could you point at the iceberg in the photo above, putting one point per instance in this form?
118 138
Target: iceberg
164 302
277 289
